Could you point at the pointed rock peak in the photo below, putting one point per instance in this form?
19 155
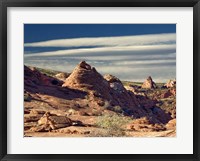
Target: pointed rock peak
84 65
84 76
149 83
149 78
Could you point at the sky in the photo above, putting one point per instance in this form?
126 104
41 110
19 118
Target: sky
131 52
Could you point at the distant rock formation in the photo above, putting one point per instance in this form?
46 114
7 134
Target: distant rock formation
170 84
149 83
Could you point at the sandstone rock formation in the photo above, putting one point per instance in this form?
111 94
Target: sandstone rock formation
62 76
84 96
149 83
132 89
115 83
50 122
110 89
170 84
54 121
111 79
144 125
32 78
88 79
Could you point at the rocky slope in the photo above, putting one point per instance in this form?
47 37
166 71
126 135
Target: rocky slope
58 105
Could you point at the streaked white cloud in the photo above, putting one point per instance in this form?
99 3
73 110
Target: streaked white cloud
130 58
149 62
152 49
138 40
123 57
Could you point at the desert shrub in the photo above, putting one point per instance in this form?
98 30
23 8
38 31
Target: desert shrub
113 125
106 105
107 133
96 112
117 109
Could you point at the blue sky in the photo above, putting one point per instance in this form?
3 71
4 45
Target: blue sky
128 51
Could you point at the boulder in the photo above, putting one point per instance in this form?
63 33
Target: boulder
50 122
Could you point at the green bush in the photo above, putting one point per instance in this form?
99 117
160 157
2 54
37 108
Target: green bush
113 124
106 105
117 109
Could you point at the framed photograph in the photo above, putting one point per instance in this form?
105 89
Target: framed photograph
109 80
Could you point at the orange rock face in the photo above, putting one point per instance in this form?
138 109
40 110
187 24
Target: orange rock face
86 78
32 77
86 94
144 125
